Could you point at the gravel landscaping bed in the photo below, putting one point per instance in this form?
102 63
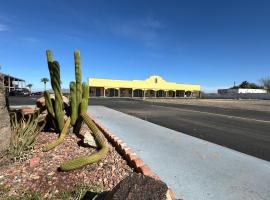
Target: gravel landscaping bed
39 171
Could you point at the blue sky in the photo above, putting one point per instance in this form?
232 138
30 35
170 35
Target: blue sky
212 43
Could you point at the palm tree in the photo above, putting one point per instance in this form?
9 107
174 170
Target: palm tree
44 80
30 87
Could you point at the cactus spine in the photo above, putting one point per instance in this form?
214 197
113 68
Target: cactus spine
56 110
85 160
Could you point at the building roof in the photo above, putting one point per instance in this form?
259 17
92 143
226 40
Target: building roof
12 77
154 82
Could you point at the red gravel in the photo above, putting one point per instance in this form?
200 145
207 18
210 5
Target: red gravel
44 176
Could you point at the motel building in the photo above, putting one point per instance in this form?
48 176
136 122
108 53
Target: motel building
152 87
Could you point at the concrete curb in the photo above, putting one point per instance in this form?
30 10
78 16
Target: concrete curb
128 154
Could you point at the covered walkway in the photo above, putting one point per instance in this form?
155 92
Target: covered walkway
152 87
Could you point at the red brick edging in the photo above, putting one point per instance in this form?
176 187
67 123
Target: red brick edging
128 154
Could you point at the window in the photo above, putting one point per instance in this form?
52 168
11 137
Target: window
156 80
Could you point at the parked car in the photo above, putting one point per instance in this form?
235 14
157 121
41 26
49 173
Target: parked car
37 93
20 92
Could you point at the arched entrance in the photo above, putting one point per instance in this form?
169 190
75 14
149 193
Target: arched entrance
125 92
180 93
138 93
111 92
161 93
171 93
149 93
188 93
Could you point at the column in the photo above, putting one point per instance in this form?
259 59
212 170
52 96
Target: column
175 94
155 93
144 94
119 92
104 92
131 92
8 84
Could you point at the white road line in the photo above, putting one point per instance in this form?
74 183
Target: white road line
221 115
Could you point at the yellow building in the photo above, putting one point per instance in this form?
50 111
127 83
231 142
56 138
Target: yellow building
154 86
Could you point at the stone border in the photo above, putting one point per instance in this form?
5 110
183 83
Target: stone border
128 154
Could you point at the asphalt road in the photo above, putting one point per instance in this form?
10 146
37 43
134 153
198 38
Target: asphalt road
242 130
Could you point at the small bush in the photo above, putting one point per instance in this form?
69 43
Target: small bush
25 128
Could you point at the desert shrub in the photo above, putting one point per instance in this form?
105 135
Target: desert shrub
25 129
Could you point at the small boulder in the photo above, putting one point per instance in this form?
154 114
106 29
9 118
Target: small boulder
89 140
139 186
41 101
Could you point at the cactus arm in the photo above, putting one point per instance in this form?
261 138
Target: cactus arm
78 76
85 160
82 109
58 106
85 89
60 139
49 55
73 103
48 103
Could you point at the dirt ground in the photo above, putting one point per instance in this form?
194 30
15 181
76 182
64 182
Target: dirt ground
259 105
45 178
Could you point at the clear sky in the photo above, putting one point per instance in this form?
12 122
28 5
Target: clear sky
213 43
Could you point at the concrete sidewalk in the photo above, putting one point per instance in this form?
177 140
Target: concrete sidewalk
193 168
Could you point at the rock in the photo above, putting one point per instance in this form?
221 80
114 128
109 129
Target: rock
41 101
89 139
139 186
34 177
5 131
34 161
51 173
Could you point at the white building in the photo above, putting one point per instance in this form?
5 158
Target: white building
242 90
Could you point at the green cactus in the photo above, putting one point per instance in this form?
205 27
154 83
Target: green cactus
56 110
80 92
77 112
60 138
73 103
78 76
85 160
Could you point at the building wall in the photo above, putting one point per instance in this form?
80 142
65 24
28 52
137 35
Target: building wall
153 83
242 90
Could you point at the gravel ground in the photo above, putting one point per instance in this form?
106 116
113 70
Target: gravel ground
259 105
46 179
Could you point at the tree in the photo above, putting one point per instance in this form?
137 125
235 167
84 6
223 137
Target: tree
44 80
266 83
30 87
247 85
